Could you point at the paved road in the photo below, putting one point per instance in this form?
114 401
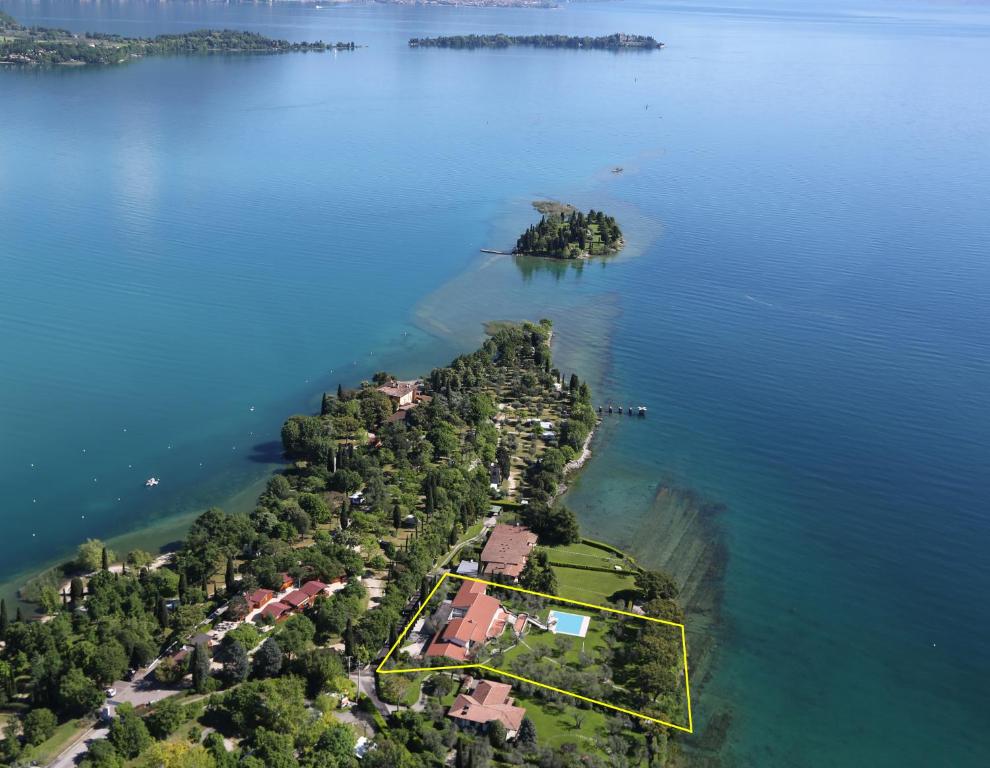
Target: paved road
143 690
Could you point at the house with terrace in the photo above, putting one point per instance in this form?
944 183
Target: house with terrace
468 621
477 707
507 550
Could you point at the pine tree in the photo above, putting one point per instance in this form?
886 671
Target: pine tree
527 734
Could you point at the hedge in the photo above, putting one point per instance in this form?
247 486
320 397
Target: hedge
598 568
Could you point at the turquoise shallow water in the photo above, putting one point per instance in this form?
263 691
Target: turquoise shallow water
802 304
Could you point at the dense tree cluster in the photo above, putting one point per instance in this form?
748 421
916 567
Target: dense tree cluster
571 236
41 45
605 42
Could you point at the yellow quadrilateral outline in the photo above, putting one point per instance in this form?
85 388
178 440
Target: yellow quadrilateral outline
687 686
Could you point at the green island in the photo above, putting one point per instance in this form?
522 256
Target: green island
614 42
42 45
564 232
255 643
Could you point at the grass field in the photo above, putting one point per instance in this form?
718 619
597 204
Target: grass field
585 554
594 587
558 724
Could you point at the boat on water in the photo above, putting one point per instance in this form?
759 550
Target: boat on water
642 410
617 169
151 482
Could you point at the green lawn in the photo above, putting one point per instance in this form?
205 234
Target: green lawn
547 644
556 725
585 554
595 587
64 734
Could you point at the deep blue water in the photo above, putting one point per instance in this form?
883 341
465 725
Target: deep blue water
803 303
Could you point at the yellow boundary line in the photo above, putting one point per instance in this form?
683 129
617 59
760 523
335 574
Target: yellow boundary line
687 686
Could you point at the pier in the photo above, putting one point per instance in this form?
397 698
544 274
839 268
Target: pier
639 410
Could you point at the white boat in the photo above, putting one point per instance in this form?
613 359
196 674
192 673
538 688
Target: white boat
151 482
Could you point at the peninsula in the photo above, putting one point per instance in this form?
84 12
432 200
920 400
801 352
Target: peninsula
614 42
43 46
273 632
563 232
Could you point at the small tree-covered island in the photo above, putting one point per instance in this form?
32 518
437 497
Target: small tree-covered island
564 232
42 45
614 42
256 643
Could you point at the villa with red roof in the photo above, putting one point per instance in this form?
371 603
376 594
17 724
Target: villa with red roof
488 702
475 617
507 550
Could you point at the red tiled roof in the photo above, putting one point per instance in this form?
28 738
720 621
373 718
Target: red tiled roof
489 702
274 610
398 388
465 595
507 550
260 597
313 588
296 599
483 618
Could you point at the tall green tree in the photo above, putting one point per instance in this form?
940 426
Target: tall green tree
230 577
200 667
236 664
128 733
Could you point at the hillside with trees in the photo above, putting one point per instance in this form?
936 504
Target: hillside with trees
42 45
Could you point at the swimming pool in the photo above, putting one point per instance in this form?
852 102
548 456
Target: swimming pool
561 623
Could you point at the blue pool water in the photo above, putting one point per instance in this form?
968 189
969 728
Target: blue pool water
570 623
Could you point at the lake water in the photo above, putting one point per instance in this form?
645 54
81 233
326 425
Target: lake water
192 248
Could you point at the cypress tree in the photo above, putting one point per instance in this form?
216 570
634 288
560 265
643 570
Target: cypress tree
183 586
105 559
4 621
19 617
229 579
349 639
340 392
326 404
76 590
200 667
452 538
396 515
345 515
161 612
